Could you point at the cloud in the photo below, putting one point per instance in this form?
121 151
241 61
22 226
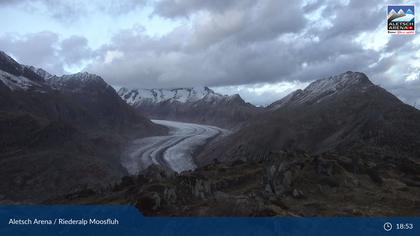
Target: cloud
9 2
241 45
353 17
408 91
258 45
74 50
46 50
237 21
156 63
36 49
68 11
110 56
233 46
262 94
185 8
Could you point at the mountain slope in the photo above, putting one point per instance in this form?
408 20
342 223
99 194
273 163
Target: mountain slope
323 89
199 105
285 184
342 146
344 114
59 134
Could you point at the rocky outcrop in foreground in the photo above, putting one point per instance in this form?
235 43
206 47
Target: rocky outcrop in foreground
285 183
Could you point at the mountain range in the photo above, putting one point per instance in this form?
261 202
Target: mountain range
198 105
341 146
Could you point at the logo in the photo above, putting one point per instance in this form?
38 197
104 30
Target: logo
401 19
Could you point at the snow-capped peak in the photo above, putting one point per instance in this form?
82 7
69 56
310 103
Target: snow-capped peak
76 81
337 82
39 71
181 95
81 76
320 89
18 77
22 77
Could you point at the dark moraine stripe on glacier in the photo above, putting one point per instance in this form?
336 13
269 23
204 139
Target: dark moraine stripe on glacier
174 151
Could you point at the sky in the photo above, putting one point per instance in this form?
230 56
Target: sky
261 49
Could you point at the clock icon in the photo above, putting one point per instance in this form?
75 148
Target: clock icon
387 226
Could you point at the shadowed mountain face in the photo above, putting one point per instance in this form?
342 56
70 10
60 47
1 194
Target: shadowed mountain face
59 134
7 64
344 114
198 105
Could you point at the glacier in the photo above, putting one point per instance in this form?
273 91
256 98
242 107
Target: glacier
174 151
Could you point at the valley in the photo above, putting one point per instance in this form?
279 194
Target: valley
174 151
340 146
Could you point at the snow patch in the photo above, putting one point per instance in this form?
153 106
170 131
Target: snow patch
323 88
181 95
16 83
